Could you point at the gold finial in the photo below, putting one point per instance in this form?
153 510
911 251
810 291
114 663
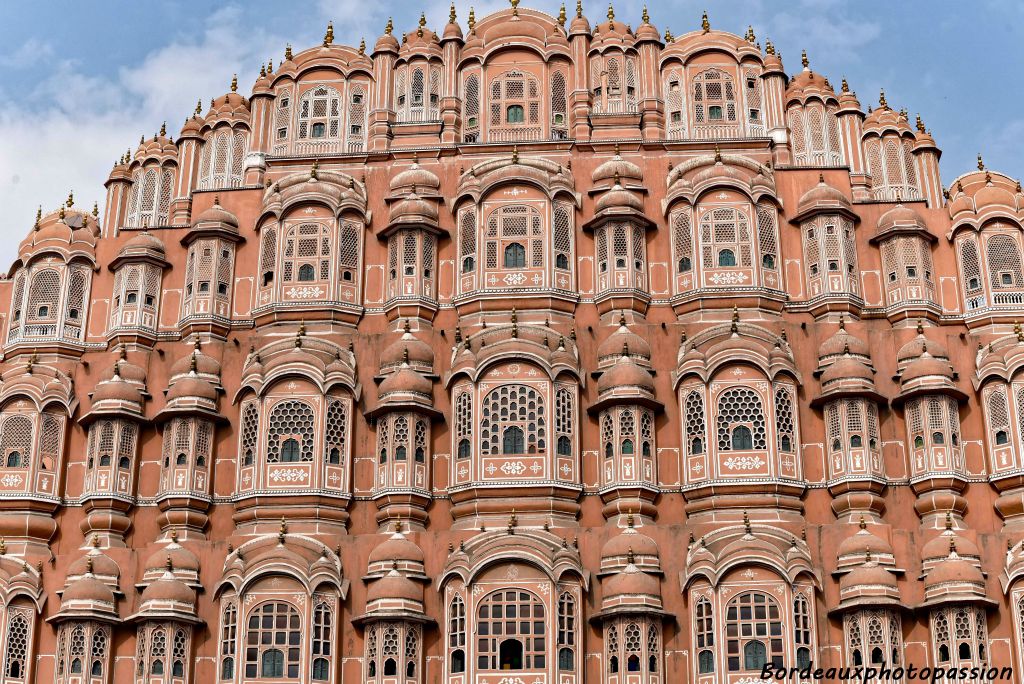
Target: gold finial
952 546
422 25
750 34
471 20
630 556
949 520
920 327
234 83
746 522
515 7
263 71
174 536
845 86
169 564
88 563
39 217
451 14
561 15
95 541
389 27
769 47
163 128
919 123
735 319
60 213
579 9
288 52
329 36
515 323
881 99
842 322
71 199
981 163
629 520
611 12
515 154
270 67
803 59
668 36
705 25
283 529
863 523
95 210
199 107
718 154
867 555
362 46
313 169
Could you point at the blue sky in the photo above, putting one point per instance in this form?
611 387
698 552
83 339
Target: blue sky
83 80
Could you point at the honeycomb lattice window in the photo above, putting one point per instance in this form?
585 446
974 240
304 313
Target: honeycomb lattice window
320 114
471 109
16 441
784 422
714 98
725 239
16 648
307 254
290 432
696 441
250 433
740 420
336 431
1004 262
682 240
513 421
559 106
675 104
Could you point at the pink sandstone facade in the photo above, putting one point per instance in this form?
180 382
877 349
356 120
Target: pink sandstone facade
531 351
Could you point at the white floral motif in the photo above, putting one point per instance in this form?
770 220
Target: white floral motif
282 475
11 480
515 278
305 292
513 468
728 278
743 462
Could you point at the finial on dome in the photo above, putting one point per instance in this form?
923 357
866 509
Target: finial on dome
234 83
71 199
1018 332
668 36
630 556
169 564
919 123
718 154
625 349
389 27
746 522
512 522
288 52
515 154
867 555
313 169
174 536
803 59
579 9
561 15
769 47
263 71
95 541
899 197
362 46
471 20
88 559
949 520
863 523
981 163
952 546
422 25
645 18
39 217
705 25
821 178
515 323
329 36
920 327
283 530
881 99
60 213
611 13
451 14
750 37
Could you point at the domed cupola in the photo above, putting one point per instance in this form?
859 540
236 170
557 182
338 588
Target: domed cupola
610 350
852 549
167 598
808 84
937 549
422 41
410 350
901 220
159 148
102 567
194 391
87 597
397 548
387 42
406 387
214 221
118 396
185 563
823 199
842 343
630 591
626 382
612 33
646 32
916 347
144 246
869 584
67 231
954 580
928 374
229 108
616 171
884 118
395 575
616 552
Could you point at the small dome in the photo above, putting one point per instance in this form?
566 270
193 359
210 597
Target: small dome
954 570
397 547
117 390
192 386
415 177
419 352
412 207
867 576
823 198
625 373
142 242
937 548
205 364
611 347
885 118
395 586
847 368
452 31
618 198
864 542
617 167
900 217
630 540
927 366
169 588
632 582
842 342
127 370
88 588
917 346
181 559
217 214
193 125
102 565
405 380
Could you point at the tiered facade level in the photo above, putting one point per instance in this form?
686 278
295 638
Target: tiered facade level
533 352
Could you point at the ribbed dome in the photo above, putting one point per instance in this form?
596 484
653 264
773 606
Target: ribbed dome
842 342
618 198
192 386
938 547
102 565
847 367
205 364
181 559
632 582
415 176
169 588
88 588
864 542
625 373
397 547
395 586
405 380
117 390
866 576
218 214
616 167
927 366
901 216
954 569
630 540
917 346
142 242
419 352
822 198
612 346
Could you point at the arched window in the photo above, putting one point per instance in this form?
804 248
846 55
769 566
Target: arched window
249 437
511 631
726 257
43 295
222 159
1004 262
753 628
705 638
274 637
320 113
559 108
228 636
307 253
741 421
322 641
566 632
513 406
514 107
150 197
457 634
725 238
515 256
16 649
290 432
714 98
471 109
694 407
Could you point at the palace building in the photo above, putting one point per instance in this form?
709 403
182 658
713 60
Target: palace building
529 350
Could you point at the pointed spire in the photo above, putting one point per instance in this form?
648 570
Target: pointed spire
881 99
234 83
561 15
803 59
389 27
750 37
451 14
645 18
329 36
288 52
705 25
981 163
